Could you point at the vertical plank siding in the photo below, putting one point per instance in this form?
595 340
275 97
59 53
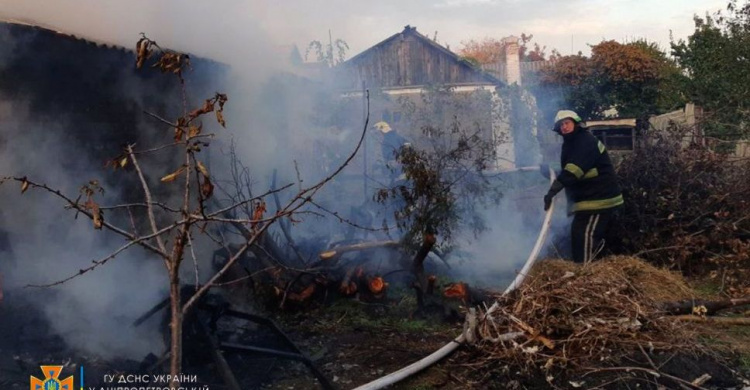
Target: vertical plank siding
409 59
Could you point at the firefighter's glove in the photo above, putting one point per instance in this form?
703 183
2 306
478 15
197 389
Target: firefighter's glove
553 190
548 201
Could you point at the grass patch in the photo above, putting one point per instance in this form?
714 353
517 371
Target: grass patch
349 314
745 362
707 288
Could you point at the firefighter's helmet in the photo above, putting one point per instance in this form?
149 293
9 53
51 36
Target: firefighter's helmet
383 127
565 114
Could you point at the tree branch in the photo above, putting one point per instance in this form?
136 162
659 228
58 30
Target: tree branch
96 264
149 209
74 205
305 196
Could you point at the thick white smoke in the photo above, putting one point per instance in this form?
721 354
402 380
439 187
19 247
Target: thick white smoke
94 312
270 115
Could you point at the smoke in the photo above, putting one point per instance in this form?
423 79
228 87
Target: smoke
492 258
280 118
47 244
58 136
62 138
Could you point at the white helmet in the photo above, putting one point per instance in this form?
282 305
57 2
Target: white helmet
565 114
383 127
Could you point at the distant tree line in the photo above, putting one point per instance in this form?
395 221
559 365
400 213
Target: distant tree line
710 68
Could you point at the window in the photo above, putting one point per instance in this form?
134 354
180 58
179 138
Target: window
616 137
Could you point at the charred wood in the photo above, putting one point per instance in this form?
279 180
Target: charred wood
221 364
277 330
743 321
158 307
338 251
348 284
711 307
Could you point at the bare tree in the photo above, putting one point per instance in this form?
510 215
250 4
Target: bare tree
172 230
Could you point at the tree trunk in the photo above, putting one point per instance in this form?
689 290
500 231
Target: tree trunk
420 284
714 320
175 364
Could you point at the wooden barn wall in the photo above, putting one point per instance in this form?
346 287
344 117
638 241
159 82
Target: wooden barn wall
405 62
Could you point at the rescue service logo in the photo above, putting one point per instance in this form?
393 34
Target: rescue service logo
51 380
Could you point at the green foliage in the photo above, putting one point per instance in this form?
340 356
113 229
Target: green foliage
717 59
332 53
745 362
635 78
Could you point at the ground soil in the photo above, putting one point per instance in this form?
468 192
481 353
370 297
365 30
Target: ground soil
363 343
354 342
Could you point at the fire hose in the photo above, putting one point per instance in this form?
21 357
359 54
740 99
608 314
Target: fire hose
447 349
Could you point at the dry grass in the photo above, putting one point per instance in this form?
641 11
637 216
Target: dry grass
658 284
583 316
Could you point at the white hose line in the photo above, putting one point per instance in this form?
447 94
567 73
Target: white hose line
447 349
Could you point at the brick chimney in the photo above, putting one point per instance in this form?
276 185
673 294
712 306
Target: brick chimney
512 61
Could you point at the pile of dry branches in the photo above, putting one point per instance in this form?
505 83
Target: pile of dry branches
686 207
582 316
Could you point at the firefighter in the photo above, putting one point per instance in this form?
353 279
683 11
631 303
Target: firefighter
590 183
391 146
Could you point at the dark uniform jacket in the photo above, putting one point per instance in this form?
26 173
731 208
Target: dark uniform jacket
392 143
587 173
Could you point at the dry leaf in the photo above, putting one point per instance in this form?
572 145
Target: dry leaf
98 220
96 213
172 176
142 51
203 169
178 133
260 209
24 185
220 118
221 99
194 130
123 162
208 106
207 189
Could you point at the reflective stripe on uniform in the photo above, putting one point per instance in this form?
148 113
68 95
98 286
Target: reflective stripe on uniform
574 169
588 243
586 239
591 173
601 147
598 204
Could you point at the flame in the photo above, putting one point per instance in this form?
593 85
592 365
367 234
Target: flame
377 285
456 290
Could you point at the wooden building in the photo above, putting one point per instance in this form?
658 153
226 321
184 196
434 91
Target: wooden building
407 64
409 59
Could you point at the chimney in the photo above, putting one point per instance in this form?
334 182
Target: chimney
512 61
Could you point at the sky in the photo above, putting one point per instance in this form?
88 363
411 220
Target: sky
568 26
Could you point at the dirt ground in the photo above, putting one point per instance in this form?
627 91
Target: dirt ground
353 342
